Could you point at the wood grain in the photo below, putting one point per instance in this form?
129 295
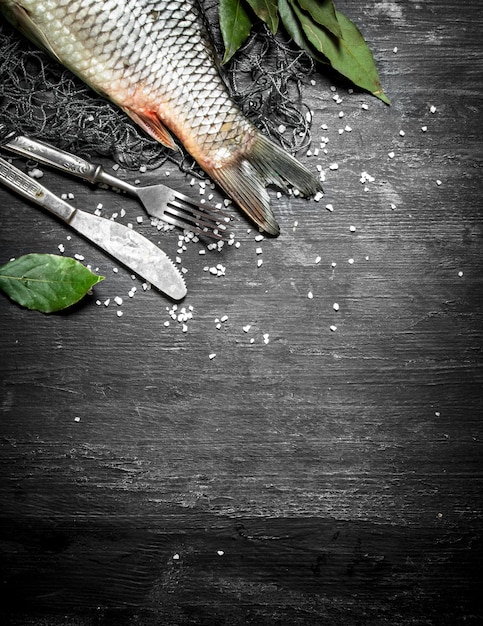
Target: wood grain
314 476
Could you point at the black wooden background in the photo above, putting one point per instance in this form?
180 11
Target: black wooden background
303 475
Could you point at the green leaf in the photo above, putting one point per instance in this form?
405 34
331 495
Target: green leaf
46 282
349 55
235 26
267 11
294 29
323 12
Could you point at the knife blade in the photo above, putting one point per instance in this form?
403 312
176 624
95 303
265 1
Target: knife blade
127 246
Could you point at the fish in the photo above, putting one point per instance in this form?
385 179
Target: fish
155 59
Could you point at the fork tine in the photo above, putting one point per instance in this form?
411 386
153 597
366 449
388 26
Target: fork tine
186 219
205 208
207 218
182 223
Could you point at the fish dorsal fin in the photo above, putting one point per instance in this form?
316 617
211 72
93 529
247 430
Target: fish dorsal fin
30 29
151 123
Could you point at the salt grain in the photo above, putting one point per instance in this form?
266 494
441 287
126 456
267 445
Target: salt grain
212 356
35 173
335 306
333 328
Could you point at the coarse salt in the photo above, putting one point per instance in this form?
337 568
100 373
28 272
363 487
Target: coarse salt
35 173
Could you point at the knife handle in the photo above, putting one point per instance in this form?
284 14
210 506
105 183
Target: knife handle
64 161
24 185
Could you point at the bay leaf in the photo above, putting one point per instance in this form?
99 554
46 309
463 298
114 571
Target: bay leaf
323 12
293 27
235 26
267 11
348 55
46 282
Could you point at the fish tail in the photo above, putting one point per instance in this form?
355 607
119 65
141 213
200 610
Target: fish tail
246 174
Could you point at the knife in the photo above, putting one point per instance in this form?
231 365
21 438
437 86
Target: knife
124 244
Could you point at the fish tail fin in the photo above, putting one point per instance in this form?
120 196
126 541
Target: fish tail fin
247 173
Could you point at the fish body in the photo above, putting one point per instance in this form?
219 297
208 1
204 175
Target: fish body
155 60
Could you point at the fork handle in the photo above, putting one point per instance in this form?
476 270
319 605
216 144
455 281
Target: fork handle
64 161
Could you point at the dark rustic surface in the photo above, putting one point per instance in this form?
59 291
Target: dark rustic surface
325 477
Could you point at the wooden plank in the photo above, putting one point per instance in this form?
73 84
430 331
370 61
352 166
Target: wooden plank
304 475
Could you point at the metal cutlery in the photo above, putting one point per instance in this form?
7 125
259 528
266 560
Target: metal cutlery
125 244
158 200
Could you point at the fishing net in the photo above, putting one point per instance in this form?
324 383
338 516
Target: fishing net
40 98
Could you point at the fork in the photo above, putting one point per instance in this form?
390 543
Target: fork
158 200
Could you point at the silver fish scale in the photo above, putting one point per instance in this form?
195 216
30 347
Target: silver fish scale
154 59
149 57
